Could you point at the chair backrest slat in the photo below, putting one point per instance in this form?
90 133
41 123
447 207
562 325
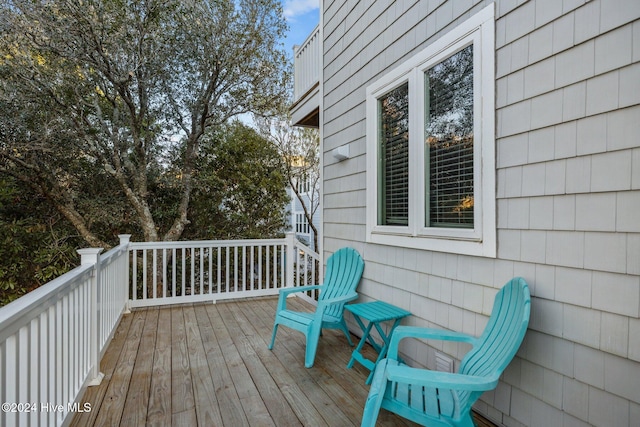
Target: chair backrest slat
344 269
504 332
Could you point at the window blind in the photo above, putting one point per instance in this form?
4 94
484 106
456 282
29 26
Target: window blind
393 179
449 142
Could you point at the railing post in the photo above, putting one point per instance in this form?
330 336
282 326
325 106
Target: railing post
124 241
91 256
290 239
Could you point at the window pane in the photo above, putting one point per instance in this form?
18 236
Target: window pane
393 149
449 142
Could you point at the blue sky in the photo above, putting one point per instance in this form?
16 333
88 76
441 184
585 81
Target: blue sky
302 16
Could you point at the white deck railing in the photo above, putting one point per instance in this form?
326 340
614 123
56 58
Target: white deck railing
306 65
212 270
52 339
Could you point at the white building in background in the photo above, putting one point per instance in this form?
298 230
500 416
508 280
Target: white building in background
297 220
547 98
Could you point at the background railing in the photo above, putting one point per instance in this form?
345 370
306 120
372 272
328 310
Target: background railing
52 339
179 272
306 269
306 65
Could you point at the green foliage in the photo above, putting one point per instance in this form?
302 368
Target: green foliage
119 87
240 189
239 194
36 244
114 120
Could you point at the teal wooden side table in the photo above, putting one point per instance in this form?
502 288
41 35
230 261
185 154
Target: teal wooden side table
374 313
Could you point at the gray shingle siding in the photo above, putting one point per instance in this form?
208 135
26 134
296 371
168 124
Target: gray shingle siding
568 194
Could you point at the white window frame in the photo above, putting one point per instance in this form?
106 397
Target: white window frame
480 240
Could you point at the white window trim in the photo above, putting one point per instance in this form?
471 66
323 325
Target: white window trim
481 240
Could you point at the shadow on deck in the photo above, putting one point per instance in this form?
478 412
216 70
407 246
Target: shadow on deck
209 365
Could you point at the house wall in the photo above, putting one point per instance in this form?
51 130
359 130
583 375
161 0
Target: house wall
568 196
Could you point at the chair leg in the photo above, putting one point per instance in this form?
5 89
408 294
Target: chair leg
273 336
313 336
344 328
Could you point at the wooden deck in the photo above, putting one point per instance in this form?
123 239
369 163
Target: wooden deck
208 365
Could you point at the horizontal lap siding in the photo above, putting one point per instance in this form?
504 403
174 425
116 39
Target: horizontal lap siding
568 193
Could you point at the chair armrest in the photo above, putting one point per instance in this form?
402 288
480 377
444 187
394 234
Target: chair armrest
285 292
376 394
402 332
322 305
338 300
436 379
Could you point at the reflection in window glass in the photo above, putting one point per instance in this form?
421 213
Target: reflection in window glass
393 146
449 142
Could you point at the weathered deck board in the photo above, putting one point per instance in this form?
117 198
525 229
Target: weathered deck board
207 408
114 400
183 409
137 398
208 364
225 390
159 409
95 395
337 403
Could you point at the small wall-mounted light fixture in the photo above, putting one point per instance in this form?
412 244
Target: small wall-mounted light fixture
341 153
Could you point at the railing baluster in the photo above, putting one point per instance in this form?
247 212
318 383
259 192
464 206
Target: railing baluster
243 268
52 386
134 276
23 367
192 283
249 268
219 271
201 271
11 380
235 269
66 347
260 283
145 295
275 266
43 362
155 273
84 333
35 330
184 271
267 261
74 342
283 251
228 270
164 273
173 272
210 269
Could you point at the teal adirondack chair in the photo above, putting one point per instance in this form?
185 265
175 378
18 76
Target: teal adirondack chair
434 398
344 270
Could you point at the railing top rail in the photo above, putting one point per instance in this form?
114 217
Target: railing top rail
107 257
301 246
205 243
12 315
